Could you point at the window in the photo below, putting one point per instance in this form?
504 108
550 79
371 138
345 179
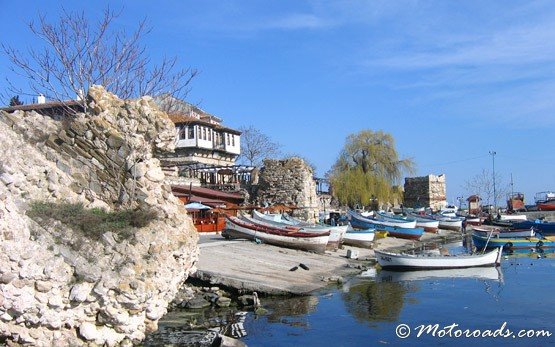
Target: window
191 131
227 136
209 134
203 133
182 132
233 140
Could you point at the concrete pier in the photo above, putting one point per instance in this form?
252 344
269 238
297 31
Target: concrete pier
262 268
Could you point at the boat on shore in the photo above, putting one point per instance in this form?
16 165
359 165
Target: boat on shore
336 233
360 222
393 220
449 223
545 201
513 243
297 238
400 261
429 225
359 238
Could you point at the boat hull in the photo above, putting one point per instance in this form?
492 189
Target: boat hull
546 228
513 243
359 238
360 222
315 242
505 233
396 261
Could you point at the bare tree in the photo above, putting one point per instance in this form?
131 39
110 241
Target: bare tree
256 146
77 54
482 185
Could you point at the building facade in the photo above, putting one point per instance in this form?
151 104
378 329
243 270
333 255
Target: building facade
427 191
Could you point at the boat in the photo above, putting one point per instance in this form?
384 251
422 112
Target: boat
473 220
504 233
400 261
482 273
513 243
515 202
393 220
359 238
512 217
429 225
360 222
271 217
545 201
542 226
297 239
449 223
336 233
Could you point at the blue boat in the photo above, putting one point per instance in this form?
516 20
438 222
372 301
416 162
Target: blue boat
360 222
544 227
514 243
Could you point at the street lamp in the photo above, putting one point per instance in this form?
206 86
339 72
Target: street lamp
493 153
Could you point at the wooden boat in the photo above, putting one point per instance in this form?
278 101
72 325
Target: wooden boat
336 233
514 243
504 233
475 221
271 217
297 239
359 238
360 222
394 221
449 223
544 227
512 217
398 261
430 225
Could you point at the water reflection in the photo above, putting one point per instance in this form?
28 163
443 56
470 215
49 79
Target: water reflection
291 311
371 301
483 273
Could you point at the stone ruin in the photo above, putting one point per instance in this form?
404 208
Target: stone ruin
426 191
288 182
102 292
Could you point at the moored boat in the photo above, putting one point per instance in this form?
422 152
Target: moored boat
504 233
297 239
513 243
449 223
545 227
360 222
394 221
399 261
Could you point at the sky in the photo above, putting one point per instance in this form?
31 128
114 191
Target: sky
452 81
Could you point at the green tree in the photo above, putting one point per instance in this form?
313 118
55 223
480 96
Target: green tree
368 169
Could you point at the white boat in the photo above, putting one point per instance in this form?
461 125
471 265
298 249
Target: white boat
394 221
297 239
504 233
337 233
430 225
512 217
450 223
271 217
359 238
399 261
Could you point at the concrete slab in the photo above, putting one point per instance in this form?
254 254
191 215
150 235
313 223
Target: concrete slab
248 266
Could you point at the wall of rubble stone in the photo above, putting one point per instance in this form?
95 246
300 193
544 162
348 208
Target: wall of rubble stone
426 191
58 287
288 182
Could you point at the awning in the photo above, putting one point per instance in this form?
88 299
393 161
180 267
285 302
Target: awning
197 206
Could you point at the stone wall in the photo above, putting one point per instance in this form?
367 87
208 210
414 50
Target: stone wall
58 286
288 182
426 191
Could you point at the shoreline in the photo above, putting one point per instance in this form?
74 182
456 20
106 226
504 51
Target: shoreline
249 267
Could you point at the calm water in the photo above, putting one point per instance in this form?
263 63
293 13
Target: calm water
365 311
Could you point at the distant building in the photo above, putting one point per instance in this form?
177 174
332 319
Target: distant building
426 191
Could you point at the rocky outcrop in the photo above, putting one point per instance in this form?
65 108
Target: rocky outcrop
58 286
288 182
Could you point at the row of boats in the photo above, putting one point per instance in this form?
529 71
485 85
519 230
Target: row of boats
360 231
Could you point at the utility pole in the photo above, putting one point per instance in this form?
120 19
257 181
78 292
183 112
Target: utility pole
493 153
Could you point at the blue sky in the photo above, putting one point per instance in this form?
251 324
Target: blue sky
450 80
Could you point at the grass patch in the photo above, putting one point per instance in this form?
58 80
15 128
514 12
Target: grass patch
93 223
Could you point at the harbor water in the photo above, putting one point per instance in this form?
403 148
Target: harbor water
510 305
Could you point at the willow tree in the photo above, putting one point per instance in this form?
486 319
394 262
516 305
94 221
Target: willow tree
368 169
